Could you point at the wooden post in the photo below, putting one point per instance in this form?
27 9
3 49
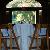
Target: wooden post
10 27
0 40
12 32
32 40
37 30
16 41
10 41
5 45
47 39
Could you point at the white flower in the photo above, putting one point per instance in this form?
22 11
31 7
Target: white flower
22 3
19 17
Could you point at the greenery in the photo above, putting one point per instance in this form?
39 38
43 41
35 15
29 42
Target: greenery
23 16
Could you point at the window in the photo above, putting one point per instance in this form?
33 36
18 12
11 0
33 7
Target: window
24 17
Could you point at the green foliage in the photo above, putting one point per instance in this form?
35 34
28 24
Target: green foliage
24 16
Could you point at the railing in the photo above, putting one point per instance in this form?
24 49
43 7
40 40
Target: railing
37 37
14 37
4 39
